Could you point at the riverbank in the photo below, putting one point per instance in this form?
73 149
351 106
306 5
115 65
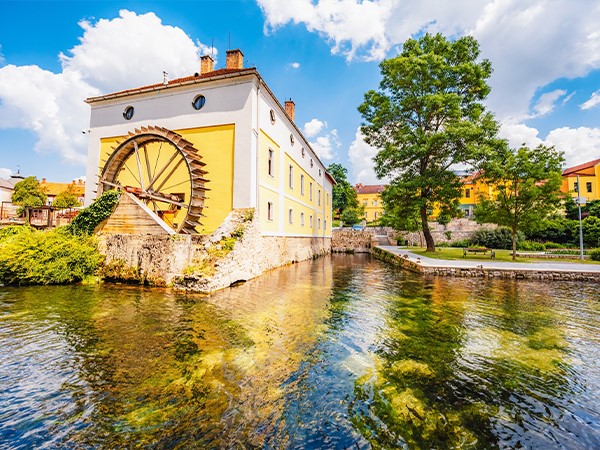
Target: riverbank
487 268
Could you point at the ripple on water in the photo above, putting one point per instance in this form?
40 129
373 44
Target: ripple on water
341 352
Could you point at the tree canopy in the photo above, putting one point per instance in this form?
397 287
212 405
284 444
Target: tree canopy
426 117
527 188
66 198
28 192
343 195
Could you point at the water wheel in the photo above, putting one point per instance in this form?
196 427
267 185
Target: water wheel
164 171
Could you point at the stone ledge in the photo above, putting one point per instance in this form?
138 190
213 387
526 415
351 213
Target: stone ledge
476 272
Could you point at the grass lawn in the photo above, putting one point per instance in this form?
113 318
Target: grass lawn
501 255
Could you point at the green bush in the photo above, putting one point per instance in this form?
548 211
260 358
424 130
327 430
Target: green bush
47 257
461 243
14 230
559 230
88 219
499 238
531 246
595 254
553 245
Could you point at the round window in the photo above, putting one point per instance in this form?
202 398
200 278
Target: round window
128 113
199 102
292 139
272 114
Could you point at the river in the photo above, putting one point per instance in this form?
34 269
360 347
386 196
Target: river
340 352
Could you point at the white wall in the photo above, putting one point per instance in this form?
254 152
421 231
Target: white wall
172 108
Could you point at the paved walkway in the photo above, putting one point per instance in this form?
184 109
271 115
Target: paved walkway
492 264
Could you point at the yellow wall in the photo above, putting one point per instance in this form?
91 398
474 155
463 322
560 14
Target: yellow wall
590 196
268 190
215 145
295 198
372 204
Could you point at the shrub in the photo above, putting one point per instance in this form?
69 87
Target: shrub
550 245
531 246
595 254
559 230
14 230
461 243
88 219
499 238
47 257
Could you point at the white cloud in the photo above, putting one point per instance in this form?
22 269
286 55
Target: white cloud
125 52
530 44
324 145
361 157
578 144
5 173
295 65
547 102
518 134
594 100
314 127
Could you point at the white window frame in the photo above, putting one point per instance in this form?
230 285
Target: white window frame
291 216
301 184
291 177
270 211
271 163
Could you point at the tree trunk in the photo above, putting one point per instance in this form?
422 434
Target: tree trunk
514 243
426 232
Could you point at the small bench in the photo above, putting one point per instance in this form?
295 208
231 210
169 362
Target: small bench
476 250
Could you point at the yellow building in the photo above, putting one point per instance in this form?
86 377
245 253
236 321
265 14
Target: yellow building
475 187
369 196
51 189
195 148
589 174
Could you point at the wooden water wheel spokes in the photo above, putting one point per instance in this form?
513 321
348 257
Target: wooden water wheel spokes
164 171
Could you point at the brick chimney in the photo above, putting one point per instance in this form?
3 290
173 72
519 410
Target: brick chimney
234 60
206 64
290 108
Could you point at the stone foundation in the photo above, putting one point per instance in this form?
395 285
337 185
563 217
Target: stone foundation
235 252
525 274
351 241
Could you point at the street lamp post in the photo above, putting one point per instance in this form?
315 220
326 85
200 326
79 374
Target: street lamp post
580 224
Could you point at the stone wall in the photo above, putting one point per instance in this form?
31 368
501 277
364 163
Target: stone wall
235 252
457 229
351 241
479 272
148 259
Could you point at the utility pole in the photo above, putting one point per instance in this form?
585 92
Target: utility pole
580 224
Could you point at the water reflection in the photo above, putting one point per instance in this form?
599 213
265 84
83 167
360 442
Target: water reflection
334 353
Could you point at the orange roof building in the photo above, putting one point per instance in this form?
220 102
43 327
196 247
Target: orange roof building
589 175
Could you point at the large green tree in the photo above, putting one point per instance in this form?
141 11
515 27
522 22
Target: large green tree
527 189
28 192
426 117
343 195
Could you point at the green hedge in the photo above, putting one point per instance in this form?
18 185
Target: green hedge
47 257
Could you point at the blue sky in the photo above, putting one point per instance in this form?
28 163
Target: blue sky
324 54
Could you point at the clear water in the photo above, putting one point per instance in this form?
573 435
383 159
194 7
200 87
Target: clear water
340 352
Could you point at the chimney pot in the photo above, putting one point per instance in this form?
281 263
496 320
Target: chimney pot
290 108
44 180
234 59
206 64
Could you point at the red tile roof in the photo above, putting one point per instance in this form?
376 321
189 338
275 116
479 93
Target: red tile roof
369 188
574 169
176 82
